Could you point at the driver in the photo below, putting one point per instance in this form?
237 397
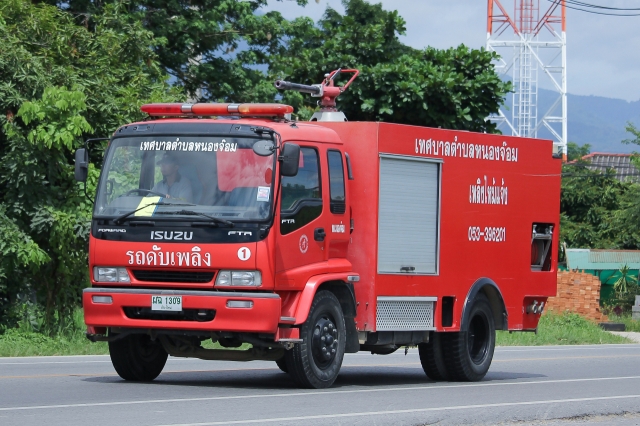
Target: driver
172 184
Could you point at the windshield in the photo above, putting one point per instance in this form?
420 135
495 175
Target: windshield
185 177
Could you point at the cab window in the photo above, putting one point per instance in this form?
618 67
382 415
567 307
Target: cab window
301 194
336 182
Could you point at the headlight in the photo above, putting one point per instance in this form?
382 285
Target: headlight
239 278
110 275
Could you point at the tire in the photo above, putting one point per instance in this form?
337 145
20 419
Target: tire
282 364
432 358
137 358
468 354
307 363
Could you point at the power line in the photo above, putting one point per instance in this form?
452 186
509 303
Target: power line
597 6
570 4
611 176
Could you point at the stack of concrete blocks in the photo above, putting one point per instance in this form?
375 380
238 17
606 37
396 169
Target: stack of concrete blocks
578 292
635 309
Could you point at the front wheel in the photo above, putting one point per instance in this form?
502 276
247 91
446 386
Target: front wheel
282 364
137 358
316 361
468 354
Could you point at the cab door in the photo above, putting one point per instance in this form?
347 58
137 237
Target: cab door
302 229
339 220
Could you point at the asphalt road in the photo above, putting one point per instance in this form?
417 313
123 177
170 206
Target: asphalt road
557 385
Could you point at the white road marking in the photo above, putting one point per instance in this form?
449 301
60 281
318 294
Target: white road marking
53 362
408 411
52 356
170 360
303 393
500 349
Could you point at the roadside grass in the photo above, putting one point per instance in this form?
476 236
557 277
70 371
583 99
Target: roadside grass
554 329
631 325
16 342
23 341
560 329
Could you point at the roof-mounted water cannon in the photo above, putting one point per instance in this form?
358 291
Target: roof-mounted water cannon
327 91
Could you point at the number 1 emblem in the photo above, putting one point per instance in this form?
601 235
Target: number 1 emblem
244 253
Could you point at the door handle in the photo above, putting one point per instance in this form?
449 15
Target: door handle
319 234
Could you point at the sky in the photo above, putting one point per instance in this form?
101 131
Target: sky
603 52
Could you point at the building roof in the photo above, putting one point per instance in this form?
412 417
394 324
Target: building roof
621 163
600 260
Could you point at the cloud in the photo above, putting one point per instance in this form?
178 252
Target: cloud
603 52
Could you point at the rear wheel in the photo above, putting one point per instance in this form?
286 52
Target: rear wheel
316 361
468 354
137 358
432 358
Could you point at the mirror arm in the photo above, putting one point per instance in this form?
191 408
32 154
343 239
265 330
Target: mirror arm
259 130
84 185
86 147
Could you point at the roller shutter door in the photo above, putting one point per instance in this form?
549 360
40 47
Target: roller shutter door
408 216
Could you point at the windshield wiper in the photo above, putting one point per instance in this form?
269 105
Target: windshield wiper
192 213
119 219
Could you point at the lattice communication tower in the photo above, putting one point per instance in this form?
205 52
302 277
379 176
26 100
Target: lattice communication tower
531 42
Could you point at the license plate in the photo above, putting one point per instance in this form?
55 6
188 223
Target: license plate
166 303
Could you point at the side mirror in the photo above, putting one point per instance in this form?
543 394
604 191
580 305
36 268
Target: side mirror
289 159
264 148
82 165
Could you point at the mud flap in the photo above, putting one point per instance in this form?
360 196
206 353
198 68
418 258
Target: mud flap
352 345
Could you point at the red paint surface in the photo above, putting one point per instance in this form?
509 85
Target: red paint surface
261 318
534 196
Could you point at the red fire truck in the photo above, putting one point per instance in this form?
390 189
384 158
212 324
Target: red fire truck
308 240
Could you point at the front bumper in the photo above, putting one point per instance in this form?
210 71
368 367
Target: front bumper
262 317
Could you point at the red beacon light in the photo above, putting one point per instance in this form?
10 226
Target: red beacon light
166 110
207 109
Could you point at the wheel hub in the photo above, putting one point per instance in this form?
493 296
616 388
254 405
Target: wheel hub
324 342
147 350
478 339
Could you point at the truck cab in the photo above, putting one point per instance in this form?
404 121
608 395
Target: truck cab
197 235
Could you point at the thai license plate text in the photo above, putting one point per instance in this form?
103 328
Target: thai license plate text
166 303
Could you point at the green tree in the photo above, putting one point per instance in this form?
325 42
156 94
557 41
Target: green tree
635 134
634 139
78 69
59 84
453 88
625 288
598 210
223 50
199 40
576 152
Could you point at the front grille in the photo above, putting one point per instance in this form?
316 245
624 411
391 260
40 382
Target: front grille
173 276
198 315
